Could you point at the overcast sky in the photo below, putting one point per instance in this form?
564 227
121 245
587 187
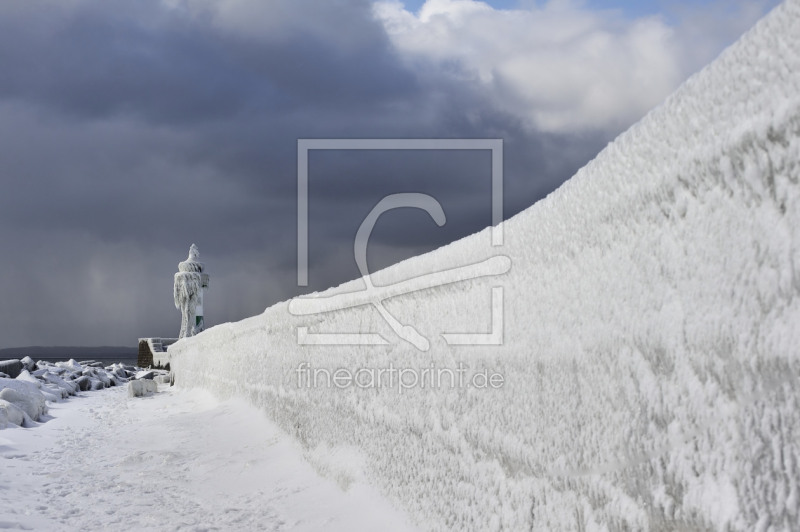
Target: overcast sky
132 129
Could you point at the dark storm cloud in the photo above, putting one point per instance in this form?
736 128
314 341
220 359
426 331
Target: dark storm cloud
129 130
165 67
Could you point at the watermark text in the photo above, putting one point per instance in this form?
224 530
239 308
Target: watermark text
400 378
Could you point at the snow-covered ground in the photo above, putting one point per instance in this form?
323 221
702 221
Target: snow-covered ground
177 460
651 336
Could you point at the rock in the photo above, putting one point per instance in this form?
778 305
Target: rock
11 413
84 383
145 374
71 365
103 376
97 384
70 387
53 393
97 374
30 401
141 388
29 364
12 367
24 376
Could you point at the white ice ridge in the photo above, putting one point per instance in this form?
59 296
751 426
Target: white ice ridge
651 335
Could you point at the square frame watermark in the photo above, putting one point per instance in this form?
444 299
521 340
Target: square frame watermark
496 265
306 145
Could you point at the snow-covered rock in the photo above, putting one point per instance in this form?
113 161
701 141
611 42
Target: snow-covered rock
29 364
84 383
119 371
141 388
96 374
12 414
51 393
68 386
24 376
27 397
649 329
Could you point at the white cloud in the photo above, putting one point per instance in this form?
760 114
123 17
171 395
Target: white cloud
560 67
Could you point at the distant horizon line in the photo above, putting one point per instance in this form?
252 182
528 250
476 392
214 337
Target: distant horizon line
68 347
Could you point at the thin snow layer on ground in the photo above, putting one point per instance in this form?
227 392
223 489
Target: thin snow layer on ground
651 336
171 461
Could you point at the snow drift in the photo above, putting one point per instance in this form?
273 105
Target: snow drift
650 350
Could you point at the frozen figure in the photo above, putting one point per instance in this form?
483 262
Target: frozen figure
190 285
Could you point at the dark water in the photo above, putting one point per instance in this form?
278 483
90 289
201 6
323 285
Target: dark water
106 361
105 355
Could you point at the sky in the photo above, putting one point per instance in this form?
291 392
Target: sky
130 130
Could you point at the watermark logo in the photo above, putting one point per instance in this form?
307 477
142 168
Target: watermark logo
376 295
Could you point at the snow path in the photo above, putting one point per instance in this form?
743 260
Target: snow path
179 460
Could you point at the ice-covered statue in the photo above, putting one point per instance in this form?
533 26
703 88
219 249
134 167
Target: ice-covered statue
190 285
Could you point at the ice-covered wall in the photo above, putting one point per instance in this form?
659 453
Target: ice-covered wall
651 336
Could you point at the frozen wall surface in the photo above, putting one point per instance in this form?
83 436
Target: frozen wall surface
651 348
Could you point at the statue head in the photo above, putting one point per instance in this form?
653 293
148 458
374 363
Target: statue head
194 253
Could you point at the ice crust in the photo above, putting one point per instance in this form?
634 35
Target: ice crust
651 333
